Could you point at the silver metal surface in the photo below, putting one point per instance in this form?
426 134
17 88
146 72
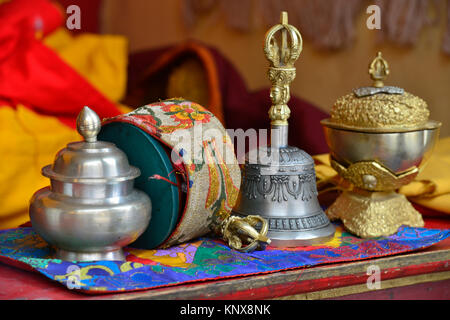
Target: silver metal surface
102 160
370 91
117 255
91 209
285 195
279 136
398 151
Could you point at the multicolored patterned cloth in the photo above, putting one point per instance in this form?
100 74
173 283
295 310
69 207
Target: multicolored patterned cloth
201 260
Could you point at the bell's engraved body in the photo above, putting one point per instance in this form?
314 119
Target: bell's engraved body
281 186
285 195
91 209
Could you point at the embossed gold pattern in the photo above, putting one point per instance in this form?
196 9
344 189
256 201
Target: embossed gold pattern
380 111
381 107
373 176
374 214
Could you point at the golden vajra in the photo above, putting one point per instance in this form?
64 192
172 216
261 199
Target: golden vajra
244 234
282 71
241 235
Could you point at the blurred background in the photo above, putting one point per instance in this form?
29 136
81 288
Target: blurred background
115 55
338 46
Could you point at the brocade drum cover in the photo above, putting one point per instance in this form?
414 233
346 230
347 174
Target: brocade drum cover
202 155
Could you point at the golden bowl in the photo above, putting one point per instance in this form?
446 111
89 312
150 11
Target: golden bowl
379 138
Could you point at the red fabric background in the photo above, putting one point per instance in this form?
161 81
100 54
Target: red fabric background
33 74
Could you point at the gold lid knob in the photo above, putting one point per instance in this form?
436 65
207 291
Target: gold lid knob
378 70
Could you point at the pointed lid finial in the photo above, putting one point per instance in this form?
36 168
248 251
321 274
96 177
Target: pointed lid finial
88 124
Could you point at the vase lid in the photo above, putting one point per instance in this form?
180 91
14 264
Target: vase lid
90 161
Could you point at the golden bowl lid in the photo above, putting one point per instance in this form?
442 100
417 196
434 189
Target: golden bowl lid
380 107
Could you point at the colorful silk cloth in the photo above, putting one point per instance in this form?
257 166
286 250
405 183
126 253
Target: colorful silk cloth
200 260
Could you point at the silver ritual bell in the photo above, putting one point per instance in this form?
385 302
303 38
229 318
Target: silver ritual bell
91 209
279 182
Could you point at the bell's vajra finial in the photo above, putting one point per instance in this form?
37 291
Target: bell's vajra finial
281 69
288 53
378 70
88 124
284 18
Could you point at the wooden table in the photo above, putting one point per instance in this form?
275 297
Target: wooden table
423 274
